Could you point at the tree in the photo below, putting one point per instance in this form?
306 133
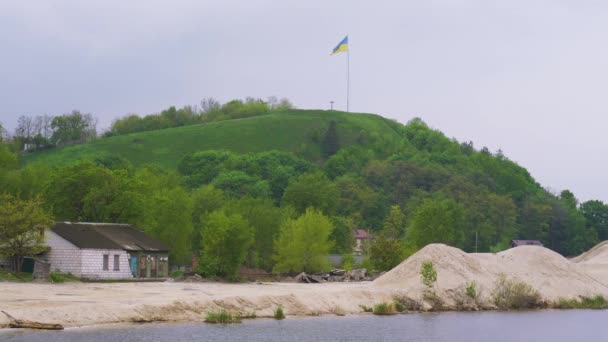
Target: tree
225 244
304 244
331 142
311 190
22 226
342 235
394 224
596 216
385 253
436 221
74 127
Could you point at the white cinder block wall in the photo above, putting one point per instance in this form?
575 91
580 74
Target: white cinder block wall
92 264
86 263
63 256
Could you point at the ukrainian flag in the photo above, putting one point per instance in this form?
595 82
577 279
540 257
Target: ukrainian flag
342 46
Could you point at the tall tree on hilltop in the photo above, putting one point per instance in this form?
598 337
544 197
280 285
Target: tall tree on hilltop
331 142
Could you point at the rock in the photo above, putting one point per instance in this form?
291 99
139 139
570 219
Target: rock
302 278
316 279
337 272
358 274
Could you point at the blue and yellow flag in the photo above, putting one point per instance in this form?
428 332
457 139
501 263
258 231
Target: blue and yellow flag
342 46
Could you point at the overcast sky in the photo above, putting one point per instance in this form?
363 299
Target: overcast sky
528 77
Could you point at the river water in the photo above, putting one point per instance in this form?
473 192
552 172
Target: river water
545 325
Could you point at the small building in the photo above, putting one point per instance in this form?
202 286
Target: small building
362 237
517 243
105 251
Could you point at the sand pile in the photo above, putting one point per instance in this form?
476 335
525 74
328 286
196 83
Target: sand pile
595 262
551 274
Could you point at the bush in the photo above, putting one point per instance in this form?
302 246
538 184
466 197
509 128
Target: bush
428 274
348 261
58 277
177 274
366 308
385 309
471 290
596 302
514 294
278 313
223 317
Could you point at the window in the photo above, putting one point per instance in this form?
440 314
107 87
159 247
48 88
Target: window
106 261
116 262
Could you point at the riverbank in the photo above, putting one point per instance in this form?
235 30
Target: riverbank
80 304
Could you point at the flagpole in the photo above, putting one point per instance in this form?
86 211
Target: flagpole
347 76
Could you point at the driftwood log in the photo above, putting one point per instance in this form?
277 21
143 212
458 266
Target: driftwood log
20 323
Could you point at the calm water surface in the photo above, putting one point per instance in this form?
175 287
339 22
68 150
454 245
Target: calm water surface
548 325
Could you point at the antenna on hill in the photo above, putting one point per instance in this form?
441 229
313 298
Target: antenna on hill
331 104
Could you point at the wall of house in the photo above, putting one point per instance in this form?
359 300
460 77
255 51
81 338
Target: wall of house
92 264
63 256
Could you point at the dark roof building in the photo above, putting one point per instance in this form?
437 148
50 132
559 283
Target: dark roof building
105 251
517 243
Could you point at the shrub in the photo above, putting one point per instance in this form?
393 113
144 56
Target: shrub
348 261
596 302
431 297
428 274
177 274
278 313
223 317
385 309
514 294
58 277
471 290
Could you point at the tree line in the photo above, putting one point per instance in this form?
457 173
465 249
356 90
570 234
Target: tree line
276 211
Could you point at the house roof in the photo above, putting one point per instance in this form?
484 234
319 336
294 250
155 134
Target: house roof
107 236
516 243
362 234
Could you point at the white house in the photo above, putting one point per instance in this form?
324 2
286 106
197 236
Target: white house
105 251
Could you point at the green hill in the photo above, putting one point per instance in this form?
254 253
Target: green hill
298 131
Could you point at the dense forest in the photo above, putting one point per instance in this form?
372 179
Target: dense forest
284 210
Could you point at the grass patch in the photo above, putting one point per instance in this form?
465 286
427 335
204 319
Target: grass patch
290 131
278 313
58 277
514 294
13 276
595 302
223 317
179 274
385 309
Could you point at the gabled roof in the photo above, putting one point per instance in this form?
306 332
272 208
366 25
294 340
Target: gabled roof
362 234
107 236
516 243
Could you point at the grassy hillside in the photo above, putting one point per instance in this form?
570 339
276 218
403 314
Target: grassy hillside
289 131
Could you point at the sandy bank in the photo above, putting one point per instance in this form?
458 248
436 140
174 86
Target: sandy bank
75 304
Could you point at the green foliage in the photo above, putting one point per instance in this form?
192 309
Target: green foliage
303 243
226 240
58 277
436 221
394 224
385 309
348 261
15 276
284 131
515 294
177 274
22 224
428 274
595 302
342 235
331 142
366 308
311 190
385 253
72 128
471 290
278 313
223 317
